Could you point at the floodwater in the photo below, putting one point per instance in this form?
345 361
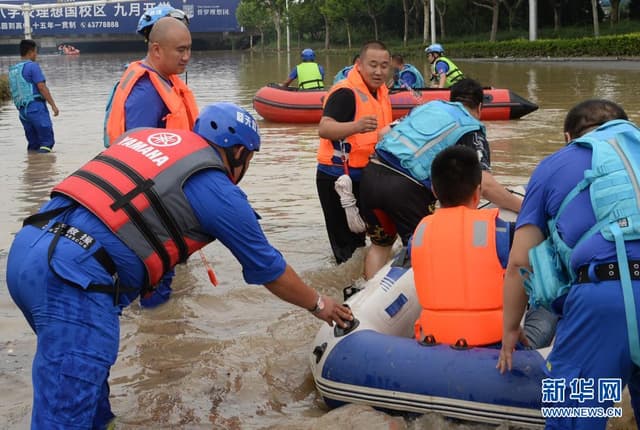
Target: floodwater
235 356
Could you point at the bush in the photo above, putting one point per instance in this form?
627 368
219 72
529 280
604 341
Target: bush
605 46
5 94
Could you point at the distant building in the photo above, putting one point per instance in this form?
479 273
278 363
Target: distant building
206 16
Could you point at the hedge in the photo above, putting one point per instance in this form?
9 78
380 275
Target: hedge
627 45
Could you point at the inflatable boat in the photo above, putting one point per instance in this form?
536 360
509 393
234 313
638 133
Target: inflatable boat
377 362
291 105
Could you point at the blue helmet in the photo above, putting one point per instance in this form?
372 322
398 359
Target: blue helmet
435 48
152 15
308 54
227 125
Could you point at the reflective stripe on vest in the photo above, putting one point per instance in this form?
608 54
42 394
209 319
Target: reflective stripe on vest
178 98
454 74
309 75
458 276
429 128
135 188
21 90
359 146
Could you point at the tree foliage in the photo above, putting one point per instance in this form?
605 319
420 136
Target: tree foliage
345 22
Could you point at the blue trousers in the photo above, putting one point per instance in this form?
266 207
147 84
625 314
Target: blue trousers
37 126
591 342
77 337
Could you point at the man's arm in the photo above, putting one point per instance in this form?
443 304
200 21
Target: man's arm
337 117
331 129
442 80
290 288
292 76
44 91
493 191
515 297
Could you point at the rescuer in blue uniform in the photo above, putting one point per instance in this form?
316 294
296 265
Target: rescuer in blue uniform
112 229
310 75
144 106
589 275
405 75
30 94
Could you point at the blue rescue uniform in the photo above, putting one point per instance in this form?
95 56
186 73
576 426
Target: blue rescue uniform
144 106
78 331
35 117
591 339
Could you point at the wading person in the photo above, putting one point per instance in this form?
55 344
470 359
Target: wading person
30 94
150 94
355 110
112 229
576 238
395 190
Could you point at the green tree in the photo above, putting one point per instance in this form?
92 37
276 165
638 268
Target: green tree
251 16
305 18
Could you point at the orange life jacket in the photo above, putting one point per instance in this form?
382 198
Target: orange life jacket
178 98
360 144
135 188
458 276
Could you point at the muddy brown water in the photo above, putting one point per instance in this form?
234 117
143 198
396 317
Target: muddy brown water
235 356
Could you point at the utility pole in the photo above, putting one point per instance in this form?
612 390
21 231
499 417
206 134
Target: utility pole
533 19
288 35
432 7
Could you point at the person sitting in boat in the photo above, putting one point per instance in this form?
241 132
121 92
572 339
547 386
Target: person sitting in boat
577 242
395 189
445 73
459 255
310 75
405 75
342 74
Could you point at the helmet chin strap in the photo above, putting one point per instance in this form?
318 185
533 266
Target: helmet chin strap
237 162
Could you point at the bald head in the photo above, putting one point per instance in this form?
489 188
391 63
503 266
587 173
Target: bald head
167 27
169 46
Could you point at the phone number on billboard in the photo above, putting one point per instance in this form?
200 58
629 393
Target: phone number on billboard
100 24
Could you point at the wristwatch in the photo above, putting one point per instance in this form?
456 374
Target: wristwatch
319 305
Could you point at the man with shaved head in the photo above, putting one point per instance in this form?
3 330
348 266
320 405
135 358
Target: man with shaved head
150 94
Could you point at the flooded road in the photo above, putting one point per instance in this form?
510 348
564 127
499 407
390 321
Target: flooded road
235 356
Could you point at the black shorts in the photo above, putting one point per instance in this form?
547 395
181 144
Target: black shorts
392 204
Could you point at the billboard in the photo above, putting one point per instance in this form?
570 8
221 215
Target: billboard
113 18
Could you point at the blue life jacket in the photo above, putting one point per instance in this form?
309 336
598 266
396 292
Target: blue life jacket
429 128
21 90
107 112
419 80
342 74
614 189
